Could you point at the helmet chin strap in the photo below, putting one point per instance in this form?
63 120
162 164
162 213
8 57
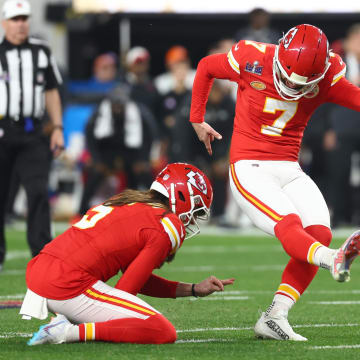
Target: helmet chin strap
172 198
191 193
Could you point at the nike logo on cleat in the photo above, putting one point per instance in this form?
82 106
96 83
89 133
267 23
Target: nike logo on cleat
324 266
277 329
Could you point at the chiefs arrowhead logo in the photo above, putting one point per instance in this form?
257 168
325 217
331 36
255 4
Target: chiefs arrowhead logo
289 37
198 181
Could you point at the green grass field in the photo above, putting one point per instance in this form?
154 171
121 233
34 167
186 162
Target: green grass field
218 327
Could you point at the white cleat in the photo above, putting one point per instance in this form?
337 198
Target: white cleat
344 256
52 333
277 328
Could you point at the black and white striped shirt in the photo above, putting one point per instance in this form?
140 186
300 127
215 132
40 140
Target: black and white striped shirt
26 72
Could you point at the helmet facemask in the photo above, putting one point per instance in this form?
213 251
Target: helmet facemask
198 211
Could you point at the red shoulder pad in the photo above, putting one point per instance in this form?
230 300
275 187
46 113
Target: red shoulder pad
246 51
337 69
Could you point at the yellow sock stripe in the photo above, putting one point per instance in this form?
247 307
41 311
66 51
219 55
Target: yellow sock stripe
311 252
289 290
251 199
89 331
121 302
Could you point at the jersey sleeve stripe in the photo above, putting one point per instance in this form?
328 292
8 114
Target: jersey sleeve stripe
172 232
233 63
338 76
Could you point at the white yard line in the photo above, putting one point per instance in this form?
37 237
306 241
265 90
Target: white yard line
251 327
207 268
11 297
215 329
266 292
325 325
347 302
13 272
221 298
223 249
14 334
356 346
203 341
17 254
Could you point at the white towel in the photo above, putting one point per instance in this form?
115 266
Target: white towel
34 305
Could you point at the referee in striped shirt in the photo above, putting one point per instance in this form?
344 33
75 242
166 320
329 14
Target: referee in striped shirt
29 81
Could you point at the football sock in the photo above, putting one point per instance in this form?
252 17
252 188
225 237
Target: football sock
323 257
154 330
280 306
72 334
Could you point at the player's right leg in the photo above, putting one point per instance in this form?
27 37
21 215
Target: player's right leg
105 314
259 190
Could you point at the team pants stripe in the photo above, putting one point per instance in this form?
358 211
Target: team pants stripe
287 290
113 300
312 251
253 200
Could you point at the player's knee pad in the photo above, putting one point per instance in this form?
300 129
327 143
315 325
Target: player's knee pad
165 329
321 233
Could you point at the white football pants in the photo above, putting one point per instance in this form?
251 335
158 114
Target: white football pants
269 190
101 303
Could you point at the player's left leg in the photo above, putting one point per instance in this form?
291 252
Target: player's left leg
103 313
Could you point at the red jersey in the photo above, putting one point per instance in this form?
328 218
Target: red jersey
267 127
134 239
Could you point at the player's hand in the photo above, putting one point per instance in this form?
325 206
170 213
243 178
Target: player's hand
210 285
206 134
57 142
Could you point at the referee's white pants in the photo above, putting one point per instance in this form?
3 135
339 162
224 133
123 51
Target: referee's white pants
269 190
102 302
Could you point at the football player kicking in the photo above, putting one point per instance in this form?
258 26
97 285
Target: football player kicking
279 87
135 232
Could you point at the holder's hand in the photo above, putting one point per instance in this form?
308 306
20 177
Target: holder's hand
210 285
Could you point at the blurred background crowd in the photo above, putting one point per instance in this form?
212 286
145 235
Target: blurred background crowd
126 102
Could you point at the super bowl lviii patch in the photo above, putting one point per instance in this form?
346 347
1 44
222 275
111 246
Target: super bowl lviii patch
254 68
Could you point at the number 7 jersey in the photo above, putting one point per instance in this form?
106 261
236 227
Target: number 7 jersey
267 127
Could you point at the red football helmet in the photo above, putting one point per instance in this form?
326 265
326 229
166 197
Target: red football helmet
189 191
301 60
